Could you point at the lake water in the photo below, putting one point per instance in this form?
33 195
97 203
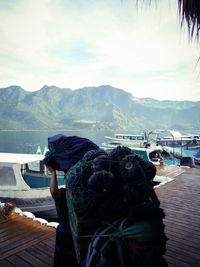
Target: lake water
28 141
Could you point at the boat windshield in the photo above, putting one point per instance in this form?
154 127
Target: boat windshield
140 138
130 137
7 176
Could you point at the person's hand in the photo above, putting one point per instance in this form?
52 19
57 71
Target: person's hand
51 169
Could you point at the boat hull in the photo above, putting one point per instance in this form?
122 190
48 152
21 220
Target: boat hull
179 153
28 189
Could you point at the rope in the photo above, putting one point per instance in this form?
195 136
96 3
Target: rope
143 231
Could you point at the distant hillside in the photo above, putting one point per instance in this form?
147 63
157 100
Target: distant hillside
103 107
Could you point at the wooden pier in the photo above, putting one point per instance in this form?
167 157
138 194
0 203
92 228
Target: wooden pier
24 242
180 200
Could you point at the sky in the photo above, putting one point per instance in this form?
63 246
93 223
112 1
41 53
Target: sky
76 43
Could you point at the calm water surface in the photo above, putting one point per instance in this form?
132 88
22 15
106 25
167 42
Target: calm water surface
28 141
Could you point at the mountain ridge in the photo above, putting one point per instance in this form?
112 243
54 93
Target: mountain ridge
102 107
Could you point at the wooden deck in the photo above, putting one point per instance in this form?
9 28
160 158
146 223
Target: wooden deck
180 200
24 242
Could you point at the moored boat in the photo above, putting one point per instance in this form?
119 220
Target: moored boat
152 152
181 154
171 138
25 181
138 140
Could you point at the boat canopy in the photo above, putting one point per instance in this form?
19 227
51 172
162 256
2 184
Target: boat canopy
19 158
175 134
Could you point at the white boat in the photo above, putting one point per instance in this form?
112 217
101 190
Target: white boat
25 181
138 140
190 156
171 138
152 152
139 144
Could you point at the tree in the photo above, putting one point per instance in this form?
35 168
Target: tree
189 11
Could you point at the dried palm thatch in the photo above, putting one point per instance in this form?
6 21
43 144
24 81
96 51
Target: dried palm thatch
189 11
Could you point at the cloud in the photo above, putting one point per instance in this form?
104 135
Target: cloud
84 43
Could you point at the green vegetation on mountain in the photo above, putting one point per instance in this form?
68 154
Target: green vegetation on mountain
102 107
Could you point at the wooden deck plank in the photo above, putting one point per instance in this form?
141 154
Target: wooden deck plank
23 241
180 200
19 247
34 261
183 247
18 234
6 263
16 231
183 258
18 261
45 249
50 243
41 255
173 262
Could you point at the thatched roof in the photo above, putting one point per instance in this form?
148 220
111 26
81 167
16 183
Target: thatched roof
189 11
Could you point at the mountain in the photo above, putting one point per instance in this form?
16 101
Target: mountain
103 107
